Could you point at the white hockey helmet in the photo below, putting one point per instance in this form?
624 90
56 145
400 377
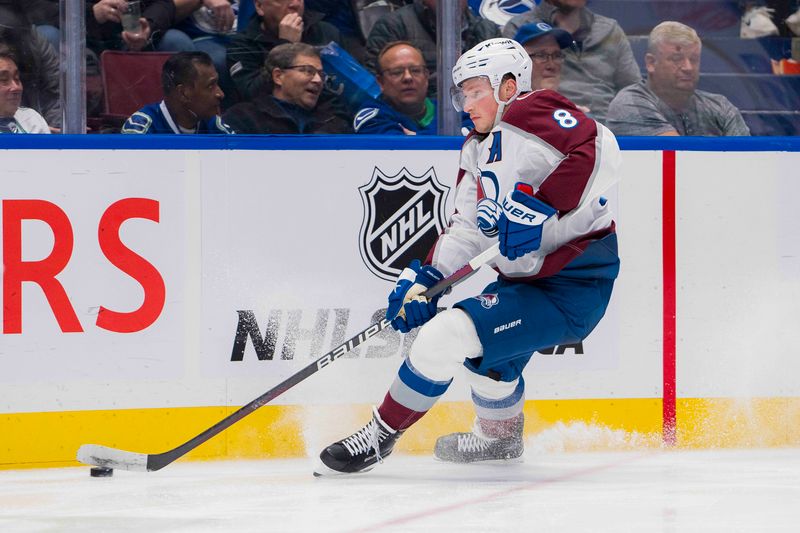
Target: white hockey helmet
493 59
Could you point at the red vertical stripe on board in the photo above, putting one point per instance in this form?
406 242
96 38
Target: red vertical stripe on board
668 252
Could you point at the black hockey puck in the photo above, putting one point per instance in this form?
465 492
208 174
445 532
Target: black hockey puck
99 471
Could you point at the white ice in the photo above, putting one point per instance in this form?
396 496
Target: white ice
654 491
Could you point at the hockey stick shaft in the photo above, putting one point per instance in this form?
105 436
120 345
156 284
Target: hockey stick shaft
98 455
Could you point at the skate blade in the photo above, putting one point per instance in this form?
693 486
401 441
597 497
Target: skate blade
512 461
322 470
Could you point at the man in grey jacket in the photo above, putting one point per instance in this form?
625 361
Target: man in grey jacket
668 103
600 64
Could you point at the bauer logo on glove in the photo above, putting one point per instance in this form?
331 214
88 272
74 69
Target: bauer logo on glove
520 223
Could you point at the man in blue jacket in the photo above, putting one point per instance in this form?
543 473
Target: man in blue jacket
191 101
403 107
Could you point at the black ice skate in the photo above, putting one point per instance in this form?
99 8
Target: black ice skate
476 446
360 451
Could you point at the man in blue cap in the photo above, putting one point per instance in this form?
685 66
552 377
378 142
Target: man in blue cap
599 66
544 44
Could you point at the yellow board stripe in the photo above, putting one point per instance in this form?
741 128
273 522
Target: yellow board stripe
51 439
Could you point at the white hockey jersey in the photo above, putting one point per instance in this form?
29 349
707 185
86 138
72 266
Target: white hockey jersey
568 158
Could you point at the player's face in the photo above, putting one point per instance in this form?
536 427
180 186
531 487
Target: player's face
205 95
403 78
301 84
479 102
273 11
547 58
674 66
10 88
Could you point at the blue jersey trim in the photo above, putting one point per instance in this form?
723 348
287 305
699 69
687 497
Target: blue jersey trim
712 144
360 142
421 385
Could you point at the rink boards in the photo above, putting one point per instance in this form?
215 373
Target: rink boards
152 286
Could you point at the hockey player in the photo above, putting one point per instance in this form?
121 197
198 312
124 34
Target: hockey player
530 177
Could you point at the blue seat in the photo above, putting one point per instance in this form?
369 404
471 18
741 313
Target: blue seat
769 123
756 92
727 55
719 18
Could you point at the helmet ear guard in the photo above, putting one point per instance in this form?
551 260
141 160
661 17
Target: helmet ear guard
493 59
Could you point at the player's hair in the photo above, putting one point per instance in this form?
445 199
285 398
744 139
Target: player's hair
180 69
388 46
283 55
671 31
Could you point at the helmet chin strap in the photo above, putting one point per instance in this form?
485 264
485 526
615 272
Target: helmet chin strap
501 106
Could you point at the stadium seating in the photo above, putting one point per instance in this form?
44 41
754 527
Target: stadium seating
768 123
131 80
718 18
755 92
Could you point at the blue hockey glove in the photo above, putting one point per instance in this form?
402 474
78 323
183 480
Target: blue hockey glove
408 309
520 223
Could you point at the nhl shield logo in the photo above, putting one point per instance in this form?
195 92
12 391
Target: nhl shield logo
403 216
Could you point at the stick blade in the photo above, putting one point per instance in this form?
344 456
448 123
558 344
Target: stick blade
97 455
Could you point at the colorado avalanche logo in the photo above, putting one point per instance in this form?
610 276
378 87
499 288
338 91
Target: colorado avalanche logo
403 217
488 300
501 11
489 209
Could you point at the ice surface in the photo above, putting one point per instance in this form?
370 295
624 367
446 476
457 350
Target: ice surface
655 491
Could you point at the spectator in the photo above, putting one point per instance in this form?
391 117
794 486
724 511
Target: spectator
36 60
104 25
294 104
276 22
207 26
341 14
403 108
757 21
763 18
668 102
544 45
600 65
501 11
44 14
191 102
13 117
416 23
793 22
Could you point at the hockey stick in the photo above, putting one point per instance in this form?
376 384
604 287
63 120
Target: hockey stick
104 456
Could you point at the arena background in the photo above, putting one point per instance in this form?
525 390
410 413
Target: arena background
131 267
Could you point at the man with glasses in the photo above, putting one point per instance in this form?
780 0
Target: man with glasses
668 102
601 63
544 45
275 22
293 105
416 23
403 107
